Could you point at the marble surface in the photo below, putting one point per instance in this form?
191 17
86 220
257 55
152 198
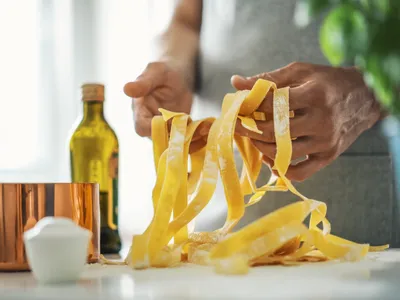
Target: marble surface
376 277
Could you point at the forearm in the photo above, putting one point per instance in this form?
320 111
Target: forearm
178 45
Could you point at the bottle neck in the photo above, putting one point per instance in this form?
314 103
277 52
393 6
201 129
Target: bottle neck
93 110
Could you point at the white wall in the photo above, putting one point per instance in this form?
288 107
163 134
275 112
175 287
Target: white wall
62 44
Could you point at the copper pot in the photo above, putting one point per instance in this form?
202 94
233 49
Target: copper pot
22 205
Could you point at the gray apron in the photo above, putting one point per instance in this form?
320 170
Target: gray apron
250 37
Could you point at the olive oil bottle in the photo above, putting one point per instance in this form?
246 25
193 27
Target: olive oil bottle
94 158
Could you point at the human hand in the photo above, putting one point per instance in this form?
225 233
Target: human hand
161 86
332 107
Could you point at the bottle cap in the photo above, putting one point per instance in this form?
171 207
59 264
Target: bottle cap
92 92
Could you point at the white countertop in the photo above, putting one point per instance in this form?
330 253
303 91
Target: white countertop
376 277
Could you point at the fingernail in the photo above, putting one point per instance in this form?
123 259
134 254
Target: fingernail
238 76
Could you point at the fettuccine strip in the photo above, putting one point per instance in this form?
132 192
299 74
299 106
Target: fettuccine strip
279 237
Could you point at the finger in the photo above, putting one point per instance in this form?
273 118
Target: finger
307 168
267 136
197 145
299 127
142 118
318 161
285 76
293 74
270 163
301 148
299 99
246 83
152 77
267 149
242 83
202 131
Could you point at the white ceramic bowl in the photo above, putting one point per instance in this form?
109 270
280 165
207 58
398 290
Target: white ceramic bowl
57 249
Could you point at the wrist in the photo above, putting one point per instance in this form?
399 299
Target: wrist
185 70
178 47
383 113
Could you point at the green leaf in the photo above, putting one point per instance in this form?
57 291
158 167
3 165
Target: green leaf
379 80
385 47
391 66
379 9
344 34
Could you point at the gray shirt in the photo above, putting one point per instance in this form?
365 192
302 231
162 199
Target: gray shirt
248 37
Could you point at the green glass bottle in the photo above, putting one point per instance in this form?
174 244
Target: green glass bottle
94 158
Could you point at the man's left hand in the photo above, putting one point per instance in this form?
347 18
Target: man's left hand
332 107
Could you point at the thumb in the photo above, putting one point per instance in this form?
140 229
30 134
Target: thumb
152 77
243 83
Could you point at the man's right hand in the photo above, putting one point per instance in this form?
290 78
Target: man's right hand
161 86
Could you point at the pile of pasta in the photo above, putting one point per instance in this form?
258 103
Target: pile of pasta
179 196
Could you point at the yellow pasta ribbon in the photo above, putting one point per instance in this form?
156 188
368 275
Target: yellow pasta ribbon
279 237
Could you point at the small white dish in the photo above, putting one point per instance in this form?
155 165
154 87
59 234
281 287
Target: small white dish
57 250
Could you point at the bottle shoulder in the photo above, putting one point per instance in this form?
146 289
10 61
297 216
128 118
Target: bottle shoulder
95 126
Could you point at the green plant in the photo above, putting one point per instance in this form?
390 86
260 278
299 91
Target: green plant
365 33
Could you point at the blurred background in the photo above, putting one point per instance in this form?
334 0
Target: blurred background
48 49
